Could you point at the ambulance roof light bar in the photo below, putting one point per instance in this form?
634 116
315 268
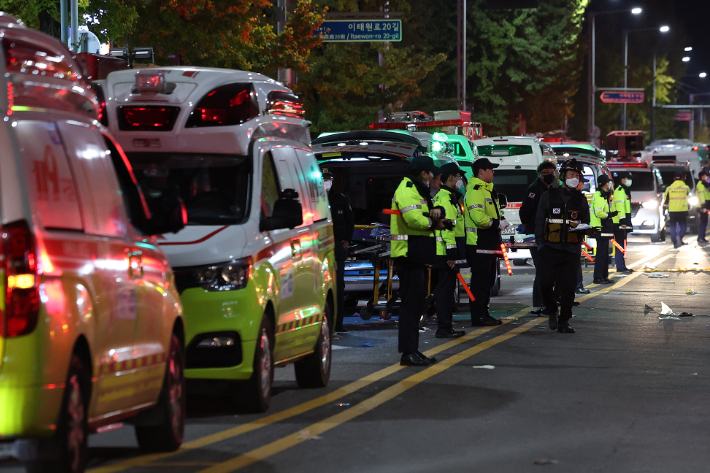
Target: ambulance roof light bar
150 81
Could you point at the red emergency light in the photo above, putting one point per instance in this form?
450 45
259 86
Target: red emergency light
147 118
429 124
627 165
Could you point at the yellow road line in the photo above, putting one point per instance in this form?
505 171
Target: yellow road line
365 406
144 460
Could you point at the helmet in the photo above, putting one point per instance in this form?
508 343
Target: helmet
571 165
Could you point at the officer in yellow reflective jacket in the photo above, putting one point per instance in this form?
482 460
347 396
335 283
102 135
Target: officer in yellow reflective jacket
676 199
450 249
601 219
703 205
483 226
413 247
621 204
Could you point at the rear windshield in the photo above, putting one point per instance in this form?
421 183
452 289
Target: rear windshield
580 149
504 150
668 176
215 188
642 181
368 186
513 183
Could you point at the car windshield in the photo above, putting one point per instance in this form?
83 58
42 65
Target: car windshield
668 176
588 150
504 150
214 188
513 182
642 181
670 143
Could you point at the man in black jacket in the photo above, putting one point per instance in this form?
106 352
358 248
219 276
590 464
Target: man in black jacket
343 228
528 210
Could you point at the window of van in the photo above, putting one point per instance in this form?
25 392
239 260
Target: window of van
504 150
269 186
642 181
513 182
214 187
230 104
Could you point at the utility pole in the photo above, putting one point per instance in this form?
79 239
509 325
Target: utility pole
653 101
626 78
63 20
74 25
591 79
285 76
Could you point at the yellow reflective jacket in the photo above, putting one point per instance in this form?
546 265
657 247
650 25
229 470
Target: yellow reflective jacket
621 204
599 210
703 195
482 216
447 241
677 196
411 223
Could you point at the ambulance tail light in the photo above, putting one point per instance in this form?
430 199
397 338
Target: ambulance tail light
226 276
21 280
147 118
153 81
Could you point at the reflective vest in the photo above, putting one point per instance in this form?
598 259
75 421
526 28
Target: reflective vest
677 196
703 194
410 232
600 212
482 217
621 204
560 216
448 241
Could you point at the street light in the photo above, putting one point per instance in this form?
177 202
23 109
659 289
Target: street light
686 59
688 48
702 75
591 81
662 29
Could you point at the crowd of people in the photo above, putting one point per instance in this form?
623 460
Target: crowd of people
442 224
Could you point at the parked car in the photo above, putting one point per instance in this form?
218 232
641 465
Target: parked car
91 331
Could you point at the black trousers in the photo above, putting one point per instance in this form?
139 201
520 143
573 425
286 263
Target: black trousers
620 237
558 271
702 224
340 255
537 297
445 299
483 276
412 291
601 260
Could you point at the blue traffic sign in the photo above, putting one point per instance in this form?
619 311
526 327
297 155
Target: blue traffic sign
622 97
357 31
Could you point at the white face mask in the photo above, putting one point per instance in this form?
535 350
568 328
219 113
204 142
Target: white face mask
328 185
459 183
628 182
572 183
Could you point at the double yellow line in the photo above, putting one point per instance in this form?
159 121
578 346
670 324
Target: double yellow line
346 415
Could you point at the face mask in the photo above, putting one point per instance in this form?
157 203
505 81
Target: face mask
572 183
459 184
548 178
328 185
628 182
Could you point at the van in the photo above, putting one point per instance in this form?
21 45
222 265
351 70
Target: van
91 326
255 264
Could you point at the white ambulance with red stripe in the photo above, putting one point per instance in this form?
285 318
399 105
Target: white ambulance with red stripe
254 265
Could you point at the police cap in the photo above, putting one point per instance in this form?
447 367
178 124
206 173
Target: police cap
327 175
603 179
449 169
423 163
483 163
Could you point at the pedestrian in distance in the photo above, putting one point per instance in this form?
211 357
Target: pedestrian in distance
546 176
621 204
343 228
484 224
601 219
676 200
413 248
703 192
450 249
561 211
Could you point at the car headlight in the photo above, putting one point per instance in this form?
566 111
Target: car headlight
225 276
693 200
650 204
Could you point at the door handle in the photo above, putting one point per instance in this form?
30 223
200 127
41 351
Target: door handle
296 251
135 264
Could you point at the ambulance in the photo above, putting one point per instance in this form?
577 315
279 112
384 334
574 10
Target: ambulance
255 264
91 326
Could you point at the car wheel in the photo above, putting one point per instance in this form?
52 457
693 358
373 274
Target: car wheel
313 371
255 394
72 432
168 434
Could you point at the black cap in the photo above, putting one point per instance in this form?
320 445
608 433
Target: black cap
482 163
603 179
702 174
449 169
678 175
424 163
327 175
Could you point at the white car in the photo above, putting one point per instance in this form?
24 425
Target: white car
673 151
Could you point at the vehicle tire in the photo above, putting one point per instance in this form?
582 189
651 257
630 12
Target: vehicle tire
656 237
70 440
313 371
167 436
520 262
496 286
255 394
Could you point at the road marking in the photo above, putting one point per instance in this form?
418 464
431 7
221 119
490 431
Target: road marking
145 460
365 406
643 260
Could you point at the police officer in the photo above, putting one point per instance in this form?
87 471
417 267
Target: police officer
483 226
413 246
676 199
600 217
621 204
703 205
546 173
450 249
343 228
561 210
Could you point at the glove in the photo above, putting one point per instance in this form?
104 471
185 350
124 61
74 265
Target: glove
613 214
503 225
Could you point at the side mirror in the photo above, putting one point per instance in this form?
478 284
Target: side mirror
288 213
169 216
663 187
502 201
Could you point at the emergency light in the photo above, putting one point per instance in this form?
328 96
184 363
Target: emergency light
153 81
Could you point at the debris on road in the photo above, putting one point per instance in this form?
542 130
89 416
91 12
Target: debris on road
665 310
368 344
306 435
691 292
646 306
668 317
685 314
545 461
658 275
344 404
485 367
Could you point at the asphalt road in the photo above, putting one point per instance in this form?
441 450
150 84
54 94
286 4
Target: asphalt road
627 393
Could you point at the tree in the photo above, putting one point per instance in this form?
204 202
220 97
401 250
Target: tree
347 87
27 10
